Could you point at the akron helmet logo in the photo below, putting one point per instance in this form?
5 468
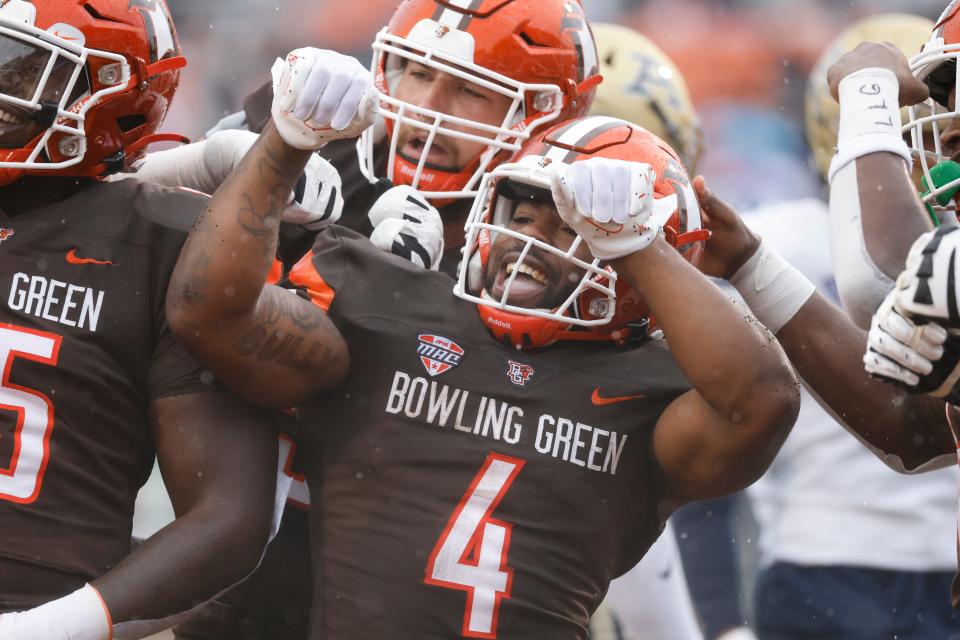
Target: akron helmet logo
519 373
438 354
5 234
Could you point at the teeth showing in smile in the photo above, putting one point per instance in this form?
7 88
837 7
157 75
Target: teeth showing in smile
527 271
9 118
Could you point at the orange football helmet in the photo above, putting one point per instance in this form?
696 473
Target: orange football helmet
84 84
538 53
603 307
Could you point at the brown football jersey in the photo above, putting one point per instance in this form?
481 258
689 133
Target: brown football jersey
84 347
463 488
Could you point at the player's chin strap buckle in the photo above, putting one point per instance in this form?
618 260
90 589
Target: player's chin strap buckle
115 163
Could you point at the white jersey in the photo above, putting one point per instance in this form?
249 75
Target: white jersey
827 500
651 601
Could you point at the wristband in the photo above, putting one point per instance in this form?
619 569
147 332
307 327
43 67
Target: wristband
870 120
772 288
82 615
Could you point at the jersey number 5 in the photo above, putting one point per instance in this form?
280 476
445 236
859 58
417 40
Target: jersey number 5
21 480
471 554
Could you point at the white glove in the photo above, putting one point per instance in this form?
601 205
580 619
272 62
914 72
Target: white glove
921 357
405 224
319 96
899 350
610 204
81 615
318 196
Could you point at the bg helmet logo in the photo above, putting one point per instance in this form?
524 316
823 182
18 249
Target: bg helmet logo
5 234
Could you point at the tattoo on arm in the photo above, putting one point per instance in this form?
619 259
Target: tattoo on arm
260 216
270 340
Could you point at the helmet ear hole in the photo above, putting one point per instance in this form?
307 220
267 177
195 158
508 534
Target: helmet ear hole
93 12
130 122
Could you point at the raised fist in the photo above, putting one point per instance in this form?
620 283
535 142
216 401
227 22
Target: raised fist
319 96
611 205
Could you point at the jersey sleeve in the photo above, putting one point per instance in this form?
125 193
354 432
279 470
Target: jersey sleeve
320 273
174 371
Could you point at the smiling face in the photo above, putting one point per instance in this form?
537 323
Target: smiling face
428 88
544 281
21 67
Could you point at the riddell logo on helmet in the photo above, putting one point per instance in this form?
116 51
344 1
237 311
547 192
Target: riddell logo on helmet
407 171
500 323
438 354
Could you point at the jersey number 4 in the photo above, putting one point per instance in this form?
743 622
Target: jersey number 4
471 554
21 480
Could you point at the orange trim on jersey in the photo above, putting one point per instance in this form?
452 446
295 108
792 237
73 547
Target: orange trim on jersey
305 275
288 464
106 610
276 272
297 478
21 417
474 545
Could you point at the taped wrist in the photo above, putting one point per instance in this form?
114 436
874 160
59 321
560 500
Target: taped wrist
870 120
82 615
772 288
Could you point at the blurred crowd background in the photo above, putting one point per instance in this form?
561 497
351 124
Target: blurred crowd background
746 62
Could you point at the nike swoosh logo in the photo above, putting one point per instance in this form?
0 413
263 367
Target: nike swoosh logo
600 401
63 37
72 258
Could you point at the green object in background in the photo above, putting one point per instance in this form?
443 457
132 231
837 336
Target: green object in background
941 173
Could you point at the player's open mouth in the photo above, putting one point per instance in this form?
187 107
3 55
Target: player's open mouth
437 155
530 285
14 116
12 119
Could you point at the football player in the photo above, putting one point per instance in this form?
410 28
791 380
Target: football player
462 84
849 548
485 467
913 334
94 384
910 433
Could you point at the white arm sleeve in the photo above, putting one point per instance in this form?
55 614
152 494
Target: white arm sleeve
202 166
861 284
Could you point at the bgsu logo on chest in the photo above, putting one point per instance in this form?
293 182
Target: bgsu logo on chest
438 354
518 372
